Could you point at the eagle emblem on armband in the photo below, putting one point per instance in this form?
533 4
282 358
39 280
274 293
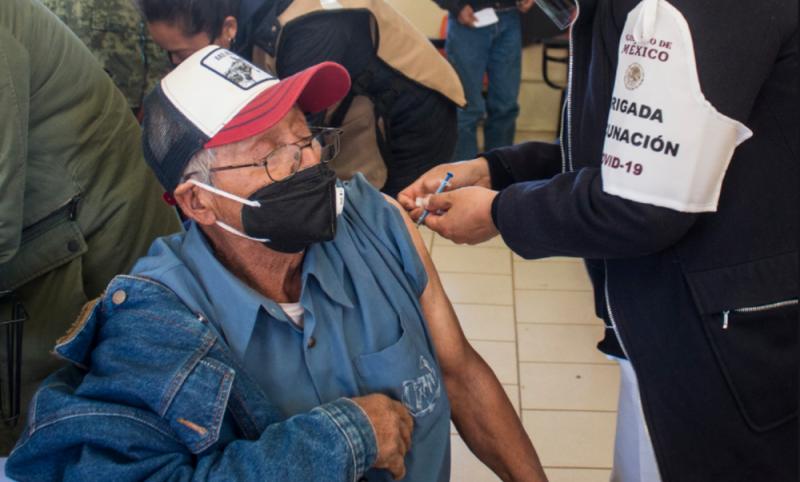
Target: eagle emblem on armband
634 76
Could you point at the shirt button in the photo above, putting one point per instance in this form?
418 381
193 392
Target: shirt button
274 29
73 246
312 342
119 297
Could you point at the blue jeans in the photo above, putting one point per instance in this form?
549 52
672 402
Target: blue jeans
496 50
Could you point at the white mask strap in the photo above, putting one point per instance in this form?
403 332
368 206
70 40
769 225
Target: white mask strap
645 27
339 200
233 197
237 233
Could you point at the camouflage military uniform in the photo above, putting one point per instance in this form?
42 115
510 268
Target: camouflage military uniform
115 33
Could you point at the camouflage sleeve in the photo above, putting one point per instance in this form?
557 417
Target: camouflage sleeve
114 32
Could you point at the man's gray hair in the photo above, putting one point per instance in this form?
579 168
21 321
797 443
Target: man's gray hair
200 165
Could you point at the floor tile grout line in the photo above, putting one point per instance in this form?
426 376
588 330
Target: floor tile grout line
570 410
545 290
491 341
479 304
568 363
599 322
548 263
516 337
485 340
550 291
544 261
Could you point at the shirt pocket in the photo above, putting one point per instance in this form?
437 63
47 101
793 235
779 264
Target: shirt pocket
756 349
409 373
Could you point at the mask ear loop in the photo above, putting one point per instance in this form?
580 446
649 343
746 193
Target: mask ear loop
236 198
232 197
240 234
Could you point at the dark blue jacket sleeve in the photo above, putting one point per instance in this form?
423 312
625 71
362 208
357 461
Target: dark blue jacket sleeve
571 215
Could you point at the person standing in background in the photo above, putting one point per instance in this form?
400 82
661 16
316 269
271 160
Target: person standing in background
676 180
399 118
118 38
476 49
78 204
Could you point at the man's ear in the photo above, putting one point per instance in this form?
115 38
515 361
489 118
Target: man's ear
229 27
193 204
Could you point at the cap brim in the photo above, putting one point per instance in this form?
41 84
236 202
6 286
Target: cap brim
314 89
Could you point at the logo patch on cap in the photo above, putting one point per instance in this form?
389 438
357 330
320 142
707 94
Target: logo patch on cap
235 69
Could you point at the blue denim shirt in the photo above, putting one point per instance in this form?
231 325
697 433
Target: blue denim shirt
360 294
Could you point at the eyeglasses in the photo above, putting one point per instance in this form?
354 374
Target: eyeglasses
284 162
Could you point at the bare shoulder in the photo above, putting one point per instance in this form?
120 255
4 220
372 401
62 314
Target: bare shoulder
412 228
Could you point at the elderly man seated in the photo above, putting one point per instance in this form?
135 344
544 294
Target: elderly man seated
297 332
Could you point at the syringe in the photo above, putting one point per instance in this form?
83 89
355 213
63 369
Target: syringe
443 183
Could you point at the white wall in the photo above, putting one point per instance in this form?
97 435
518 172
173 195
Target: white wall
424 14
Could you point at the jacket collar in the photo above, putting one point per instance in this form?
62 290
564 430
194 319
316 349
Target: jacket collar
87 332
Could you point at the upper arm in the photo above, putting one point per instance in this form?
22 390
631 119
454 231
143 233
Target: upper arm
452 347
14 99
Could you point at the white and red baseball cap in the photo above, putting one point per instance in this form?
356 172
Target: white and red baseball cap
215 98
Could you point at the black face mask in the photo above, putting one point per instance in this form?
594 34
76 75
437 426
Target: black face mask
294 213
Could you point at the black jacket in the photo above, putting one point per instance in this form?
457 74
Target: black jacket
720 404
420 122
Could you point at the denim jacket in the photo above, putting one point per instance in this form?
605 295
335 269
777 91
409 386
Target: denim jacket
152 393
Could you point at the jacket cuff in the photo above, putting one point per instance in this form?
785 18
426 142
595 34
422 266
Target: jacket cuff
500 176
356 427
495 208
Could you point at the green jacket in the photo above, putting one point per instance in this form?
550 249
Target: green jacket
72 173
117 37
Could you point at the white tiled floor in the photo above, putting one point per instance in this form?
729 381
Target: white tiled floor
534 323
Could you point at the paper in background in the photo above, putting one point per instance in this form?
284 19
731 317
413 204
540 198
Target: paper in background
486 17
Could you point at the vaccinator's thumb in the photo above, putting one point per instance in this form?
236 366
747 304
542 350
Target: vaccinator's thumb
440 202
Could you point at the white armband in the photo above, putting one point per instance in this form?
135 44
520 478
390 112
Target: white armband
665 144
